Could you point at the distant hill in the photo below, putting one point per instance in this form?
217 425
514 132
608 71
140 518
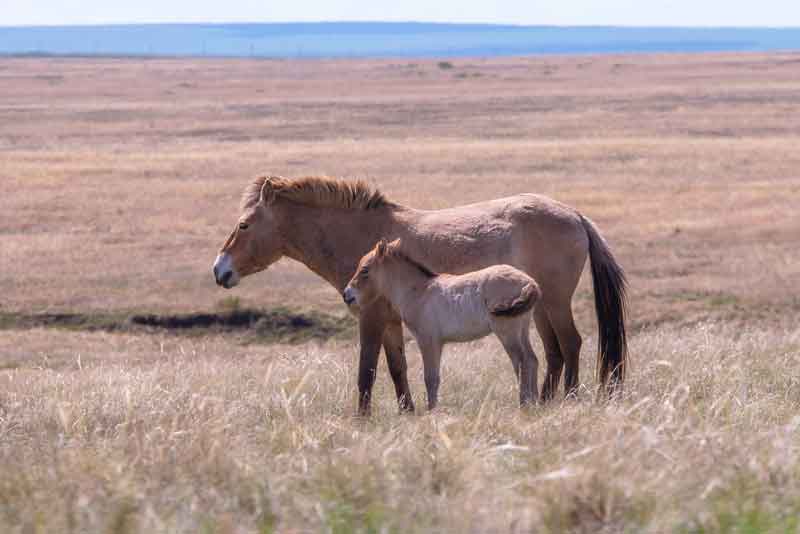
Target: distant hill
380 39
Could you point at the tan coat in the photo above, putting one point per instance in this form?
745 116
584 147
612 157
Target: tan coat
443 308
328 225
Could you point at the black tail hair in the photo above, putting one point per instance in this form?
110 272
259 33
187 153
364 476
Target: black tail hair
610 288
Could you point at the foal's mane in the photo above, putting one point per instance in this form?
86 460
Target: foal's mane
318 191
393 250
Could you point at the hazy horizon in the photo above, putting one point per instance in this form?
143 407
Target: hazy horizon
381 39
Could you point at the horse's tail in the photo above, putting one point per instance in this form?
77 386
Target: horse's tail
610 286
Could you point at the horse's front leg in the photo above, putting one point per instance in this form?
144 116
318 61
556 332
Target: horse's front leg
371 327
398 367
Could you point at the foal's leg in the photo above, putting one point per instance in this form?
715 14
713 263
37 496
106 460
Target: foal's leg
431 361
398 368
516 363
514 356
513 334
532 363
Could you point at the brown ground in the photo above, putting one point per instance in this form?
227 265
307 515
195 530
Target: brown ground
119 179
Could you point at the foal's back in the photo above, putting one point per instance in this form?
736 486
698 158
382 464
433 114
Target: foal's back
466 306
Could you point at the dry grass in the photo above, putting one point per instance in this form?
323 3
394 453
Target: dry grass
114 433
119 179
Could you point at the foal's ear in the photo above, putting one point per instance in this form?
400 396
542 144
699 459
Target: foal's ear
267 192
381 248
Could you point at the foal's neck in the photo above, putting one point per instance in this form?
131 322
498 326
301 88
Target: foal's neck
404 283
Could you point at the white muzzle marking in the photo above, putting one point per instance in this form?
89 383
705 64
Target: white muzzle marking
224 272
350 296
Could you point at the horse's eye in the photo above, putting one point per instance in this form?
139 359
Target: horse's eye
364 272
243 226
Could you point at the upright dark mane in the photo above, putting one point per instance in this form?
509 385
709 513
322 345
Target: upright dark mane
318 191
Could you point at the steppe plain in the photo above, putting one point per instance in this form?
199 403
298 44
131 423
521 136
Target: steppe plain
120 179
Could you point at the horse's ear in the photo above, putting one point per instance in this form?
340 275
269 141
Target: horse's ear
381 248
267 192
396 244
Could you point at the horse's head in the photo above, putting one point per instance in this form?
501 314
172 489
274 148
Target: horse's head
255 243
364 287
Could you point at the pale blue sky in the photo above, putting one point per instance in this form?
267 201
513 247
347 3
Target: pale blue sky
558 12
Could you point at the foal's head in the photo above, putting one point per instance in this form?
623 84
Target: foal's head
364 287
255 242
372 279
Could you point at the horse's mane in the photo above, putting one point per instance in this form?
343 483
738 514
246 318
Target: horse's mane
393 250
318 191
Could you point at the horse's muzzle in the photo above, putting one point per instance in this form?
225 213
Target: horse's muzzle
223 280
224 274
348 296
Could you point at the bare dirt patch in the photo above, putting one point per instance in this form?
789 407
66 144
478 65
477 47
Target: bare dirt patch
261 326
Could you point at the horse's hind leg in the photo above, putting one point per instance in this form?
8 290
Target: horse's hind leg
570 342
552 352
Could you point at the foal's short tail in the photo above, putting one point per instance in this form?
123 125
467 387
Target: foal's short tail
524 302
610 285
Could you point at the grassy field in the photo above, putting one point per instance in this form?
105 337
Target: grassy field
119 180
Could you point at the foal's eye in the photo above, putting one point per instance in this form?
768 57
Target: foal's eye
363 272
243 226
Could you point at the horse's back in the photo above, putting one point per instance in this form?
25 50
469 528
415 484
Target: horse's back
524 231
522 206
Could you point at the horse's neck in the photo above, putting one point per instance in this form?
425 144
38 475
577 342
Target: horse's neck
331 242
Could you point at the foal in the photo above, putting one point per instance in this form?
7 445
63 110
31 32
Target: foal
440 308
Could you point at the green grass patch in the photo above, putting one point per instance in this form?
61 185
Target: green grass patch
752 519
749 506
346 518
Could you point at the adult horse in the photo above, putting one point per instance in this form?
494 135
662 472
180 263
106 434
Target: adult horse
329 224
